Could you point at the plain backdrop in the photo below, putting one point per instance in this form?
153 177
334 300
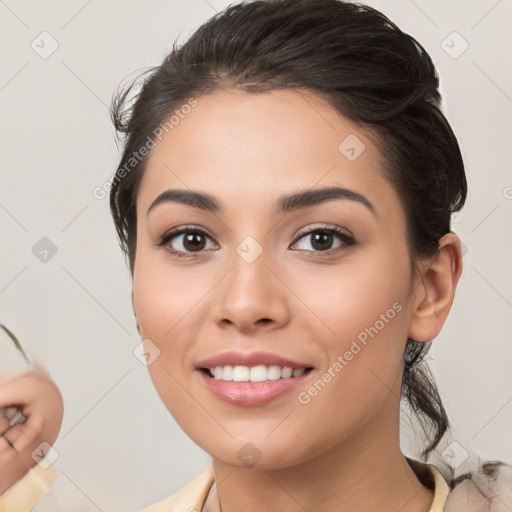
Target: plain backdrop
64 286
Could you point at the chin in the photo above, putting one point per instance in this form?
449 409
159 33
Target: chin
255 453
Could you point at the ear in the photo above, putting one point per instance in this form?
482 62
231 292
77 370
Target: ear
135 314
436 289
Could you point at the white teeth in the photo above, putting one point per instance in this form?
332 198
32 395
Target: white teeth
241 373
273 372
259 373
223 372
286 372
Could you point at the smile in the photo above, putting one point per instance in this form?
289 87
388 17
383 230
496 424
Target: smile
249 393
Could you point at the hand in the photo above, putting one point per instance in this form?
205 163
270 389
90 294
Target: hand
40 401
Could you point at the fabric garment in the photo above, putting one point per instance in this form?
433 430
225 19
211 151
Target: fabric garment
28 491
485 489
193 496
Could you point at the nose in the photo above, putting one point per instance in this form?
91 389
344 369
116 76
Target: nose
251 297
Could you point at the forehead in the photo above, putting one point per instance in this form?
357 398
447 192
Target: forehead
258 146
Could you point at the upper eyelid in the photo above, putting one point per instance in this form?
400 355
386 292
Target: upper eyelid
182 230
323 227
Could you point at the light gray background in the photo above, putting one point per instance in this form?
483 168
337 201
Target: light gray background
119 448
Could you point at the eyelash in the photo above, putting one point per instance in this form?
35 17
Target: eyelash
344 237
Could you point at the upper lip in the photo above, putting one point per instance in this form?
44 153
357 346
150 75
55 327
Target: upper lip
233 358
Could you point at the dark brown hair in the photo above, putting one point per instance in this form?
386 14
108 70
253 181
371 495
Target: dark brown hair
364 66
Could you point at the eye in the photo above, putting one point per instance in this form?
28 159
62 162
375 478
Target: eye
186 241
322 240
189 240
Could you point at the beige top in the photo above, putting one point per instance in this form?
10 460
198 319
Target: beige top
24 495
26 492
193 496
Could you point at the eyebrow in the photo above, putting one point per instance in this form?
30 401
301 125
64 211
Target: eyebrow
284 204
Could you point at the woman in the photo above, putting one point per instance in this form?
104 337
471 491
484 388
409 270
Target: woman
284 200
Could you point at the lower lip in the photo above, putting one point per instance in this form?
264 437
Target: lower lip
251 394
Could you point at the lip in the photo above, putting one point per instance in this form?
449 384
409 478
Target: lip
251 394
256 358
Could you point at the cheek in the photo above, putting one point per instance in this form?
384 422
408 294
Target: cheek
360 317
166 296
366 293
362 371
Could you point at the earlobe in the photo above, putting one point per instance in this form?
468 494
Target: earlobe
437 290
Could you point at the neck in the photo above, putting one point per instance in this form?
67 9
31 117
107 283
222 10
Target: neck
365 472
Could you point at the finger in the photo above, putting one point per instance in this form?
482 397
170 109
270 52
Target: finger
27 434
13 415
4 422
5 448
12 433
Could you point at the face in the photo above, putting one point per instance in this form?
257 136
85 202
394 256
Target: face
272 272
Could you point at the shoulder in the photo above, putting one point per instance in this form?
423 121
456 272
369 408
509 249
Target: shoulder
190 498
487 488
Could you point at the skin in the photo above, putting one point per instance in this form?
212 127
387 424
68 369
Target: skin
342 448
41 403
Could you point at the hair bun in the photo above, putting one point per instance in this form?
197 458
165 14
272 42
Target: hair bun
488 488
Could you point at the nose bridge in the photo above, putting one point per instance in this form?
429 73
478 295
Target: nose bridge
251 292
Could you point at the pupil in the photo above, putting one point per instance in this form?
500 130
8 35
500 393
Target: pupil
193 241
322 241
